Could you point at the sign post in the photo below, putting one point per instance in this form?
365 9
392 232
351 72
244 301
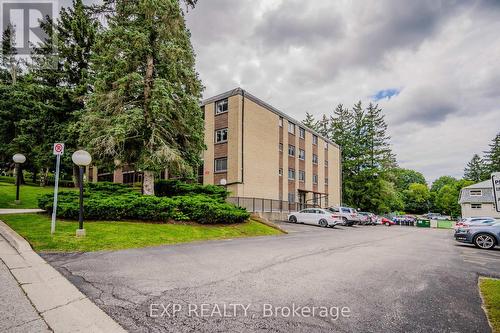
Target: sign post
58 151
495 179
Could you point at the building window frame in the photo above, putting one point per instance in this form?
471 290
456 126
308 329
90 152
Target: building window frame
280 172
315 139
218 169
291 150
326 163
326 181
476 193
302 176
280 121
291 197
315 159
302 132
315 179
302 154
220 138
476 206
291 174
280 147
291 128
224 103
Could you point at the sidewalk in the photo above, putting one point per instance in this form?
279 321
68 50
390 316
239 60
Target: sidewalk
17 314
19 211
38 297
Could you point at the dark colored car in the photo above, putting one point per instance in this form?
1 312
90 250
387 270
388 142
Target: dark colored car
482 236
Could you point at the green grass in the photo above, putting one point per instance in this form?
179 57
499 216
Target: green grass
27 193
490 289
35 228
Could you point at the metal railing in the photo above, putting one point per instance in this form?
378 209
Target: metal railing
268 205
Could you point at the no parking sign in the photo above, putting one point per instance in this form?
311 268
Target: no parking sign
58 148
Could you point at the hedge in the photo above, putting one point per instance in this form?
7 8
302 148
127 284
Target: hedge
125 203
174 187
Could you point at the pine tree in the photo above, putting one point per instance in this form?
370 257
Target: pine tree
377 141
9 65
476 169
310 122
144 109
323 126
492 156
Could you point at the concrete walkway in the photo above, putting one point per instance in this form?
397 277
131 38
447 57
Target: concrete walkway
56 303
17 314
4 211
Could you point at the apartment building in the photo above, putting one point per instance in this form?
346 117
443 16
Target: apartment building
257 151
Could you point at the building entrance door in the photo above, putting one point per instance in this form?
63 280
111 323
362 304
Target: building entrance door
302 200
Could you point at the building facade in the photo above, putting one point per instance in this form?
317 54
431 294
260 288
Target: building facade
257 151
478 200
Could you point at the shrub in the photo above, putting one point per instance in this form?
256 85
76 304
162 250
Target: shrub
174 187
99 205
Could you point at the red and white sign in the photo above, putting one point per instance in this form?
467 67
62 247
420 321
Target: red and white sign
58 148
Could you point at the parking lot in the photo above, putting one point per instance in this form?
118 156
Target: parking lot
390 279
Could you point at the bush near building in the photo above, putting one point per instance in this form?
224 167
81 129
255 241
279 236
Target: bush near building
108 201
174 187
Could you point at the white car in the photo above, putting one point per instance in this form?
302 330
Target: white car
316 216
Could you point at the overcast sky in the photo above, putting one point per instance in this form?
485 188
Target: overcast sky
433 66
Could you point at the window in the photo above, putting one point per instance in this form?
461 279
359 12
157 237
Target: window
315 179
476 193
302 154
315 198
291 150
291 197
221 135
221 164
475 206
326 145
280 172
315 139
281 121
302 176
221 106
280 147
291 174
302 133
291 128
326 181
326 163
315 159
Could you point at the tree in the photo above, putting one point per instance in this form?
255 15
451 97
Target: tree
446 198
476 169
9 64
493 155
442 181
323 125
403 178
145 109
310 122
417 198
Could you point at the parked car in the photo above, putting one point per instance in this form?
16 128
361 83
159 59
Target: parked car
482 236
367 218
316 216
437 216
386 221
349 215
474 220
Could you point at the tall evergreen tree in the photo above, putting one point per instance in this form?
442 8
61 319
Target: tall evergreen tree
492 156
144 109
310 122
323 126
476 169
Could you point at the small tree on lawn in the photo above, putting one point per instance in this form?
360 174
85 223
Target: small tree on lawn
144 109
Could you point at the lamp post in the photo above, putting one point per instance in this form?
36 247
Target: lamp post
82 159
18 159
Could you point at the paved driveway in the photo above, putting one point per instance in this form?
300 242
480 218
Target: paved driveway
397 279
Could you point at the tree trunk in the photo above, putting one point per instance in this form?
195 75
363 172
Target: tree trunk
148 183
33 175
148 86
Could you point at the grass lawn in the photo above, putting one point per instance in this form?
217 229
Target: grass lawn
35 228
27 193
490 289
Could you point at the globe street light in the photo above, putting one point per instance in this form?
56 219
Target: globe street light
18 159
82 159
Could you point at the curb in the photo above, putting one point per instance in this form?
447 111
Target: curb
63 307
268 223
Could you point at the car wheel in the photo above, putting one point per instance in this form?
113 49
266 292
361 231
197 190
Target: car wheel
387 224
292 219
323 223
344 221
484 241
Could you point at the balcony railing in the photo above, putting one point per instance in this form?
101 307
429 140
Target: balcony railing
268 205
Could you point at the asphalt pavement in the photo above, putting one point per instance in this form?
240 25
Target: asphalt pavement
359 279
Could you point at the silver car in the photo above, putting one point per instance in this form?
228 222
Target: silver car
482 236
